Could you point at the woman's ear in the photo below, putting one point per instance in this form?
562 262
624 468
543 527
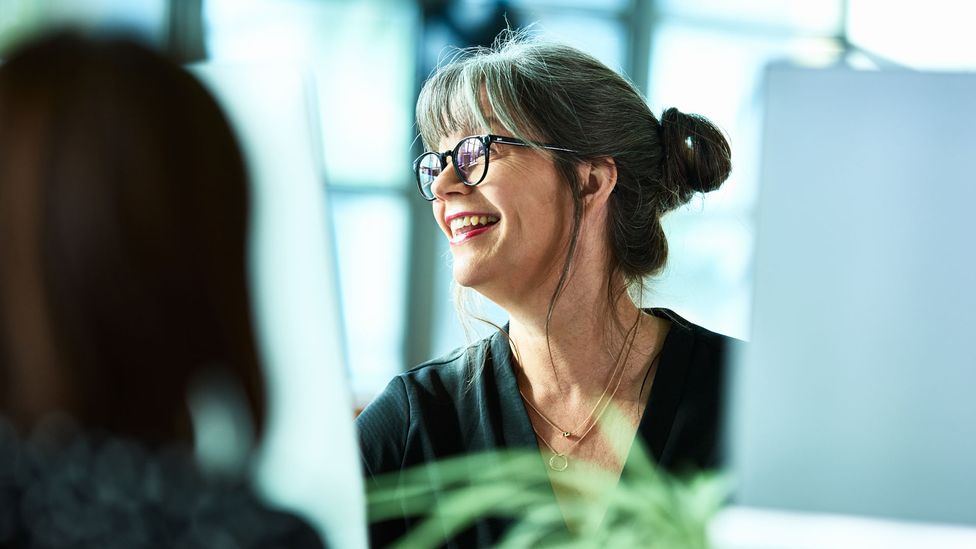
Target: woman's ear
599 178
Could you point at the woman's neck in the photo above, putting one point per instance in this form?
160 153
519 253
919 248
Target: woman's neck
569 353
576 349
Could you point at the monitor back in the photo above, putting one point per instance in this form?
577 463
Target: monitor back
856 393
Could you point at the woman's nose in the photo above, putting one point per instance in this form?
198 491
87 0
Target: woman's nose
448 183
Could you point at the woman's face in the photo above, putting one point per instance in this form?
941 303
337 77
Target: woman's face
525 246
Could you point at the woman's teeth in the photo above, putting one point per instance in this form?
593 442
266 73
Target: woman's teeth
471 221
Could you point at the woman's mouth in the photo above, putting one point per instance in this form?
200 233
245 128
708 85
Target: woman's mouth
466 227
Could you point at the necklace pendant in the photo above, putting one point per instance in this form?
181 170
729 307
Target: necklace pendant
558 462
567 434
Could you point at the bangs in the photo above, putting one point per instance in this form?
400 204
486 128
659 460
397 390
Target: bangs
477 93
448 104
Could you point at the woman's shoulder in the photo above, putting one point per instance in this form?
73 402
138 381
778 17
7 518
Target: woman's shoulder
703 341
690 388
107 491
453 371
430 405
696 361
441 381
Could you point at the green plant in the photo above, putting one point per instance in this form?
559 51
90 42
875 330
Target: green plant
646 508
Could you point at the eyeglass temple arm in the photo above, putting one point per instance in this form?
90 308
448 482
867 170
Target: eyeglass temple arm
512 141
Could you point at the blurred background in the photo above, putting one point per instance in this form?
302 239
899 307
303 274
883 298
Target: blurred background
385 267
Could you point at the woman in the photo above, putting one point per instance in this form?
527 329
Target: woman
124 307
553 211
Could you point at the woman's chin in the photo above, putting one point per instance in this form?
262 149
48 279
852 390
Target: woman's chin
475 272
467 277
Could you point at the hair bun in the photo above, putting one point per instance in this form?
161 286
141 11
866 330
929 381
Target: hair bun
697 157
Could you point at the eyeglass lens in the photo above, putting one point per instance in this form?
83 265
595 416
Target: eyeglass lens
428 168
468 157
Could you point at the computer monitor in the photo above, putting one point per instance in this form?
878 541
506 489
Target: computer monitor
857 392
310 460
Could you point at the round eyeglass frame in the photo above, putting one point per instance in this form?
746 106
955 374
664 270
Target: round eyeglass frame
486 141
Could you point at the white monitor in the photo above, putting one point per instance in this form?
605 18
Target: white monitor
310 459
857 393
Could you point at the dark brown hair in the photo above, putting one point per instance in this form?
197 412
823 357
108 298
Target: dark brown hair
123 218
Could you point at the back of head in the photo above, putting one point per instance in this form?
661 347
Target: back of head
550 93
123 210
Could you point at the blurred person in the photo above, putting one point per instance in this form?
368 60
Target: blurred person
549 176
124 304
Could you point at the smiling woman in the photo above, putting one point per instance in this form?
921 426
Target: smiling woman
559 176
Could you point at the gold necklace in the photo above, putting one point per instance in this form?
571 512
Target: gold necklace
569 434
559 460
631 335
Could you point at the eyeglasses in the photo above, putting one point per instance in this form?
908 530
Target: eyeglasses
470 155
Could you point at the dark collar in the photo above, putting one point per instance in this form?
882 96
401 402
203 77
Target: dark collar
516 427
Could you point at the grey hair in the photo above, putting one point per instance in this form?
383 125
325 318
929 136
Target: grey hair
548 93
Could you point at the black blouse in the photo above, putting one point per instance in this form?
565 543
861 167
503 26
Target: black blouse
431 412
